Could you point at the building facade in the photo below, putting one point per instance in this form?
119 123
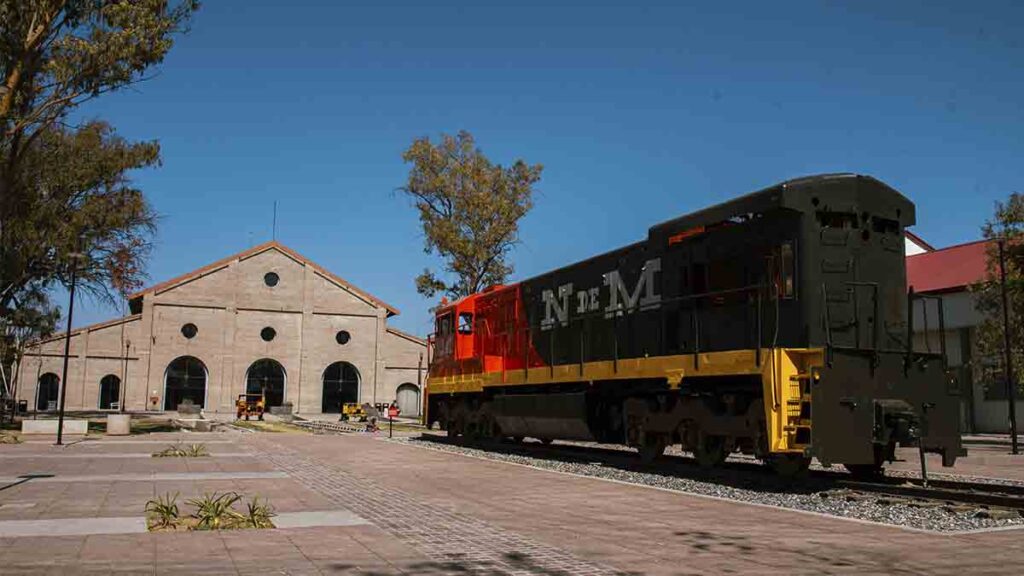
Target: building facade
948 273
266 320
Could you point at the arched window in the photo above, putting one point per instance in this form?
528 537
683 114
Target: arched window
46 394
110 391
409 399
185 378
341 386
266 376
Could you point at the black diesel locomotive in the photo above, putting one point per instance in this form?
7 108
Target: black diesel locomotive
776 324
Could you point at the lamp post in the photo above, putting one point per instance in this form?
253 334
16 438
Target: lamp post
124 376
1011 385
67 349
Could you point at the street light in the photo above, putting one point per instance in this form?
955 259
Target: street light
67 348
124 375
1011 385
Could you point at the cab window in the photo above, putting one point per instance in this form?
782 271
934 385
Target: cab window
465 322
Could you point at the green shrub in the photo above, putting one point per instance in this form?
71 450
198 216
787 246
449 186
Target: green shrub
9 439
258 514
180 451
214 512
163 512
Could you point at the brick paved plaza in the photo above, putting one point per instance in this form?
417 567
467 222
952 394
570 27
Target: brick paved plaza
387 507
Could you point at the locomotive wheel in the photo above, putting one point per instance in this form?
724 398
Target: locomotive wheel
710 451
875 470
652 448
789 465
865 471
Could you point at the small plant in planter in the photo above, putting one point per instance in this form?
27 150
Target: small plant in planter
215 512
258 514
9 439
212 512
180 451
196 451
163 512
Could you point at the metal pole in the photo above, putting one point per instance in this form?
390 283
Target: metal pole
124 377
1010 383
67 351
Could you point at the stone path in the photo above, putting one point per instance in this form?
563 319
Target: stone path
457 542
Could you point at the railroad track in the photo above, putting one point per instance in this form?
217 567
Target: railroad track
751 474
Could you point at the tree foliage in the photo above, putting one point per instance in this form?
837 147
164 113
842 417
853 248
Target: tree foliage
65 195
470 210
1007 223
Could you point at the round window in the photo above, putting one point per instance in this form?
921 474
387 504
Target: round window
271 279
189 330
268 334
342 337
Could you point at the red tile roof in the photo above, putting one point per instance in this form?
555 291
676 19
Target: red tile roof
948 269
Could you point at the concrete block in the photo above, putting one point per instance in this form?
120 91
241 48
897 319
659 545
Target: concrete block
119 424
74 427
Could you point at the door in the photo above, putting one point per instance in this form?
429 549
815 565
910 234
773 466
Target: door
409 399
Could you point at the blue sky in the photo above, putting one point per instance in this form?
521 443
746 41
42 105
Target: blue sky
638 111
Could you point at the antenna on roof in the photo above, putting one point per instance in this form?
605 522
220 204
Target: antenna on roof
274 232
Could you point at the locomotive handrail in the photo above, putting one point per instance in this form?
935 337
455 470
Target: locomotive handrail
877 321
828 325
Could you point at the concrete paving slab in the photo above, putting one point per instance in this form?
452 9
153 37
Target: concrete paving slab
71 527
114 456
137 524
152 477
316 518
99 442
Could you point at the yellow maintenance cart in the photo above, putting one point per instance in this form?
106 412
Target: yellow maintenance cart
250 405
353 411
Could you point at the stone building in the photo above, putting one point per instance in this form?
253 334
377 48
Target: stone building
266 319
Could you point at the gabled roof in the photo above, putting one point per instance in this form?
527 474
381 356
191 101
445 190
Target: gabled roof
407 336
259 249
919 241
949 269
90 327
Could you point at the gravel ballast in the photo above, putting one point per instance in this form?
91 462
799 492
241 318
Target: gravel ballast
761 489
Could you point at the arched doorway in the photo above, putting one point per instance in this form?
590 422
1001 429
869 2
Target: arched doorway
46 393
110 391
266 376
409 399
341 385
185 378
